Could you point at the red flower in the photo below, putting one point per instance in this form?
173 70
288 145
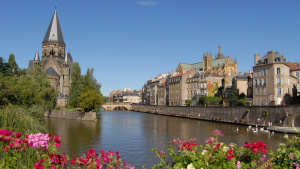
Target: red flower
57 141
39 165
18 135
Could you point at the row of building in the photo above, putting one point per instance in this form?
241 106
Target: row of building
273 81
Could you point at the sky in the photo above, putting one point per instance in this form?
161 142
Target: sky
128 42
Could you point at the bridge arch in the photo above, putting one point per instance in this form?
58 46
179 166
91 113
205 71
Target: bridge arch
117 106
296 121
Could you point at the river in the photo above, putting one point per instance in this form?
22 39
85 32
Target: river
133 134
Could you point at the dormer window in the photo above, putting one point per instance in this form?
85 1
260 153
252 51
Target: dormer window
266 61
259 62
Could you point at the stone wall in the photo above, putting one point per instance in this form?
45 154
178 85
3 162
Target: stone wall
73 115
285 114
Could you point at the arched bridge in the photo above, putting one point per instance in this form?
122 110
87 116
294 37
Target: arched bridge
117 106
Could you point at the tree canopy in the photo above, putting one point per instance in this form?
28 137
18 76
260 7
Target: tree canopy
233 99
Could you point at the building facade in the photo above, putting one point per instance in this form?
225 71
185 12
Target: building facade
271 79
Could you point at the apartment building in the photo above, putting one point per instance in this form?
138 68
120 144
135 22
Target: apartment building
295 72
271 79
178 87
197 84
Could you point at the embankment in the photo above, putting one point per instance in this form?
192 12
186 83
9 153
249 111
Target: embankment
73 115
288 115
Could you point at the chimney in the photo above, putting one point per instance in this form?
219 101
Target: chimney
271 56
256 58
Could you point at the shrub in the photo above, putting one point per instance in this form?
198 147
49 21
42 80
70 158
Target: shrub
241 102
57 108
209 100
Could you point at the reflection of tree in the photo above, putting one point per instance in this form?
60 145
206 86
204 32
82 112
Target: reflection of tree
74 134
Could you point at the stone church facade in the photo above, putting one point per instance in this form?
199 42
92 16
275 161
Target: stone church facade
55 61
221 64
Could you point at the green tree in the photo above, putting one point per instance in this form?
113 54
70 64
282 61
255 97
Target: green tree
76 85
12 65
90 99
233 99
3 66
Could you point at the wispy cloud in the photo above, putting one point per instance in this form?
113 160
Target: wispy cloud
147 3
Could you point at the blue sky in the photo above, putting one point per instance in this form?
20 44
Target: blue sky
130 41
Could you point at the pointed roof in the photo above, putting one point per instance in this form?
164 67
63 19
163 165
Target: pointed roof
36 57
66 57
54 33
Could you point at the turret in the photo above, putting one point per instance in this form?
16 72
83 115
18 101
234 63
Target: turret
36 59
66 75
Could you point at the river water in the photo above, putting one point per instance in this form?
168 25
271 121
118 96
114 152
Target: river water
134 134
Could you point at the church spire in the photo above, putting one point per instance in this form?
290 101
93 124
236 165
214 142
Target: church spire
36 57
54 33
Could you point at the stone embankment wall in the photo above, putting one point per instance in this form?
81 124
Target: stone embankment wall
73 115
245 114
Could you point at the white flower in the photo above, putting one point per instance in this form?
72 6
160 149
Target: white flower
225 148
190 166
204 152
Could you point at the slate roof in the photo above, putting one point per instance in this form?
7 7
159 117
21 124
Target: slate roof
54 33
52 72
276 57
30 65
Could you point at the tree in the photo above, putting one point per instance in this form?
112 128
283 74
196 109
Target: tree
76 85
12 65
90 99
233 99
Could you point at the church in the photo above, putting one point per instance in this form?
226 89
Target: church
55 61
220 64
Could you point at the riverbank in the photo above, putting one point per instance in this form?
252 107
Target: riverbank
89 116
248 115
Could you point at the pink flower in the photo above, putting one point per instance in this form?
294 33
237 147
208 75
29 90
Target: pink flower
238 164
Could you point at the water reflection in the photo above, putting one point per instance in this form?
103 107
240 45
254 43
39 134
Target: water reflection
133 134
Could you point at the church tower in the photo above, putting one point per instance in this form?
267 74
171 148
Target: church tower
207 61
53 45
36 59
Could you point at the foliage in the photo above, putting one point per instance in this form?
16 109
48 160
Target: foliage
265 113
209 100
28 90
233 99
241 102
76 85
188 102
3 67
12 65
22 120
215 154
41 151
90 99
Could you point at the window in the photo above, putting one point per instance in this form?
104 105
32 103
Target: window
278 90
298 80
265 91
259 73
278 71
297 73
259 91
255 91
278 81
255 82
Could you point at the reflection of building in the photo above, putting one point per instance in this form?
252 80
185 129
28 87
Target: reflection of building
220 64
55 61
271 79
